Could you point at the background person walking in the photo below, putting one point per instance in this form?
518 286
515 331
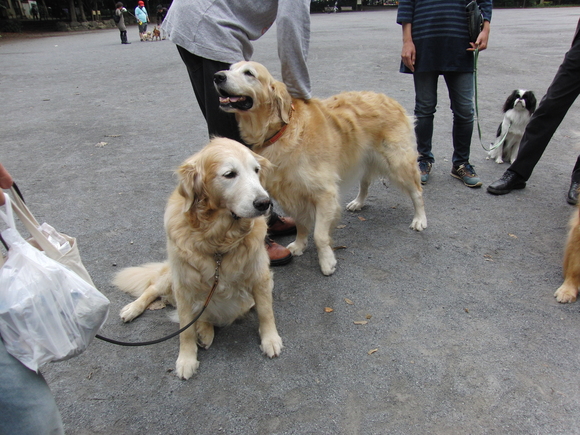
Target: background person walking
142 19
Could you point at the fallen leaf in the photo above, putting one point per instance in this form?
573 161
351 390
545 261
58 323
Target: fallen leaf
348 301
340 227
328 310
360 322
466 310
112 135
360 218
513 235
101 144
338 247
370 352
368 316
156 305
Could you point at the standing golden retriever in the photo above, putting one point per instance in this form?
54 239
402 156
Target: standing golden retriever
316 145
215 215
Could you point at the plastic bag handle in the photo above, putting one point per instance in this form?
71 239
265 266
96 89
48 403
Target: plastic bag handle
8 216
31 224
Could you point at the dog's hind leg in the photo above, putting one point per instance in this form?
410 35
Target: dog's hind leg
363 191
568 291
137 307
205 334
298 246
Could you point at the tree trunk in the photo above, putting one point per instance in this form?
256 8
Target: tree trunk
72 11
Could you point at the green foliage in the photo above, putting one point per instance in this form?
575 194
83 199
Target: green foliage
10 26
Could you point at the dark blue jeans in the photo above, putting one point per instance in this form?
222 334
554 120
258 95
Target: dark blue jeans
460 87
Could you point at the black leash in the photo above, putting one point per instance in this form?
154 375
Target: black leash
218 261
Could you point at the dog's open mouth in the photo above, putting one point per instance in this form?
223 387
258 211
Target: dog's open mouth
236 102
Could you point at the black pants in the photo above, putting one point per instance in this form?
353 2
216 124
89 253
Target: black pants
201 72
123 36
561 94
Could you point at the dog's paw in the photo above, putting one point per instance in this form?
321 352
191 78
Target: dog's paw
418 224
499 160
327 263
297 249
566 294
205 334
130 311
271 345
186 367
354 206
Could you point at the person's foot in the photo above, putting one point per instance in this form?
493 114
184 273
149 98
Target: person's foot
280 226
279 255
509 181
467 174
425 169
572 197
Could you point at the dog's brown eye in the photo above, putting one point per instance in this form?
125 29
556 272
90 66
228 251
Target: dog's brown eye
231 174
249 74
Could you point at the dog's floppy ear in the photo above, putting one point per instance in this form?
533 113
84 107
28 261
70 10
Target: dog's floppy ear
191 184
282 100
266 167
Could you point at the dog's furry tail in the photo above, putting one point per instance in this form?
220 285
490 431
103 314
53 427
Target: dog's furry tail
135 280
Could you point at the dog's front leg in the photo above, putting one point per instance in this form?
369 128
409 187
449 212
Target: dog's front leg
271 343
327 213
187 362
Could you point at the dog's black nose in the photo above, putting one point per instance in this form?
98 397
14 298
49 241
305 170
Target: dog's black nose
262 204
219 77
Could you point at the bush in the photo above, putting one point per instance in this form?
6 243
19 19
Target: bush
10 26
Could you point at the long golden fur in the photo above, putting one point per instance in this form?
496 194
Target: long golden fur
353 136
568 291
217 208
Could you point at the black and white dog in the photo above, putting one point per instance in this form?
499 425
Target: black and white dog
518 109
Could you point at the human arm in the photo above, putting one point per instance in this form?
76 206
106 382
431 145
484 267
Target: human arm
5 182
482 39
293 33
408 54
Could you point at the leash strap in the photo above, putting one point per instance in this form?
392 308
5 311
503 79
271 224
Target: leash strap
218 261
475 57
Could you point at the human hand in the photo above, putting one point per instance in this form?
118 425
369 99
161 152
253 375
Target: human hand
5 182
481 42
408 55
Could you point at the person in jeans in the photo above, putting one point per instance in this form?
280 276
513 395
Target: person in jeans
561 93
213 34
27 406
436 42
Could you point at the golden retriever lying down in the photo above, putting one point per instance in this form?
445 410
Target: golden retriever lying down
216 212
317 145
568 291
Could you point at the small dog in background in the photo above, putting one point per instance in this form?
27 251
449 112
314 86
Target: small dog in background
518 109
156 34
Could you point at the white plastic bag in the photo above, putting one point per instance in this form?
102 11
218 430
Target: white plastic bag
47 312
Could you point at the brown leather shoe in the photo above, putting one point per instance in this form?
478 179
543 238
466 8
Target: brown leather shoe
280 226
279 255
